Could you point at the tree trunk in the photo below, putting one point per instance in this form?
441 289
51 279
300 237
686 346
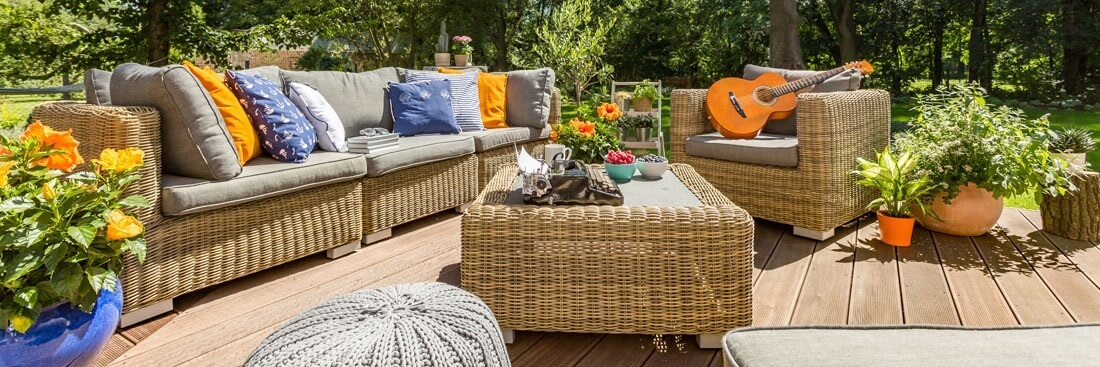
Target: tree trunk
1075 215
1075 44
818 21
845 28
786 51
157 45
977 63
937 53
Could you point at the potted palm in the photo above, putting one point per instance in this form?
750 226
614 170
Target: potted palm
63 246
442 47
899 192
644 95
1071 145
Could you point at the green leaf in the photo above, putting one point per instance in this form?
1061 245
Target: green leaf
136 247
22 264
66 279
101 279
16 204
136 201
26 296
83 235
54 254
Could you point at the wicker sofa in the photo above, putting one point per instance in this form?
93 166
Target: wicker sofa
343 202
818 192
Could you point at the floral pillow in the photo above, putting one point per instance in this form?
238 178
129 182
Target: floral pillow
286 134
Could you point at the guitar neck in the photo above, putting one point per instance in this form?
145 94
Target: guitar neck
796 85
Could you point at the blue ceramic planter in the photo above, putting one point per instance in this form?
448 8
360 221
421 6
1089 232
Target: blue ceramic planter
63 335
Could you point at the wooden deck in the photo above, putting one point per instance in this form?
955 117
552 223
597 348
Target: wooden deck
1017 275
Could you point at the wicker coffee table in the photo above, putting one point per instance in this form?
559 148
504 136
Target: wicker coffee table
675 259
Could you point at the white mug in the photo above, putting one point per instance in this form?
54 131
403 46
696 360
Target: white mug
553 150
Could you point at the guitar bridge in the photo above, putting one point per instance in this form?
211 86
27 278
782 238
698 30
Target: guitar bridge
737 105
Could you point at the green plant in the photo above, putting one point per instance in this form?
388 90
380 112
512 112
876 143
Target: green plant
646 90
637 121
960 140
571 40
10 117
64 234
1071 140
462 45
590 140
898 188
442 44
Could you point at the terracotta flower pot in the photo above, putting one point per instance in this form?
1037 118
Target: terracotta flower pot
895 231
972 213
463 60
442 59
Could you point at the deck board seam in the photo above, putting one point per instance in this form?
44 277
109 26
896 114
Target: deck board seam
901 286
1095 282
802 283
1017 246
764 266
989 270
946 279
540 337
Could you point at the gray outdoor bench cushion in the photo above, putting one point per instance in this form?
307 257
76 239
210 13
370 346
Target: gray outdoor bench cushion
907 345
493 138
417 151
766 149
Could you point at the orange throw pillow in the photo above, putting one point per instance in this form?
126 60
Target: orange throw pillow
244 135
490 90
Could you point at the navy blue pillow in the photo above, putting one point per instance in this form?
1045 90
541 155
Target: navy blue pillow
286 134
422 108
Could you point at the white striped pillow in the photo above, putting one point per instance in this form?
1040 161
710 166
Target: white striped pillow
464 96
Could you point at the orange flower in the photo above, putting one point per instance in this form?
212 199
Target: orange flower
609 111
4 168
121 226
47 191
585 128
49 138
554 136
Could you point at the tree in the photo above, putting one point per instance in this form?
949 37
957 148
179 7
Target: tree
980 69
1078 36
572 42
786 50
845 28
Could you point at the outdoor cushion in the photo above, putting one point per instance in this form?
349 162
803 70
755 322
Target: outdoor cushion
97 87
358 98
418 150
262 178
286 134
766 149
330 130
464 96
907 345
491 96
236 120
493 138
528 97
846 81
422 108
270 72
194 138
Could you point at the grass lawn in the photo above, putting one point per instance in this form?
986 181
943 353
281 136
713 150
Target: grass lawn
15 110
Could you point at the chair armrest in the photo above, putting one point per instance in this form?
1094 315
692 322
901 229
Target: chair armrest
555 107
836 128
99 127
689 118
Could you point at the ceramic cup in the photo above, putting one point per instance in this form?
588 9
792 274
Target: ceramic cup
552 152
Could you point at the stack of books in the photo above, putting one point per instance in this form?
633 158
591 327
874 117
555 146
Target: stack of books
372 144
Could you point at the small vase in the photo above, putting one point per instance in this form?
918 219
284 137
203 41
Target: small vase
972 213
895 231
63 335
462 60
443 59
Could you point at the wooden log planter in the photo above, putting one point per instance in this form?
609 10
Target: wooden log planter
1075 215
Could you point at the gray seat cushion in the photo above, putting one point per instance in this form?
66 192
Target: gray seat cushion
494 138
360 99
904 346
766 149
270 72
97 87
846 81
418 150
193 135
262 178
527 97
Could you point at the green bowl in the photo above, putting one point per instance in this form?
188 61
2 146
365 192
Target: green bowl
619 172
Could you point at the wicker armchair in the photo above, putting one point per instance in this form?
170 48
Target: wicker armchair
820 193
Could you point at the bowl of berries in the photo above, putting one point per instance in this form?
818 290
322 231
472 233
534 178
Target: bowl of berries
619 165
652 166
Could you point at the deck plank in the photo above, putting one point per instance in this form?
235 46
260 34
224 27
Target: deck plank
876 295
116 346
925 296
678 350
977 297
558 349
1029 297
137 333
524 341
767 236
776 291
828 286
1084 254
619 350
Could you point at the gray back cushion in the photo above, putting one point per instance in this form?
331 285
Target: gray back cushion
527 97
97 87
193 135
269 72
359 98
846 81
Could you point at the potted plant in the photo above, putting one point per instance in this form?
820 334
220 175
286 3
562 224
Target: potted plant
643 125
1072 145
463 50
442 47
644 95
899 192
589 137
623 99
974 156
63 246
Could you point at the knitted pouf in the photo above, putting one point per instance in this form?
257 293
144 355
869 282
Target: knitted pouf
421 324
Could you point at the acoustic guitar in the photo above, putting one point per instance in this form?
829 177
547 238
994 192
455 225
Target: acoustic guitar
739 108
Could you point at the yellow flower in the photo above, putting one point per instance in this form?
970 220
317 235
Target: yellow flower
119 161
4 168
21 323
121 226
47 191
49 138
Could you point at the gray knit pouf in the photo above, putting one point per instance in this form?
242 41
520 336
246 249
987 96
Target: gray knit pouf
421 324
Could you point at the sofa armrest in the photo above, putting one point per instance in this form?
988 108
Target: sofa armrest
99 127
555 107
836 128
689 118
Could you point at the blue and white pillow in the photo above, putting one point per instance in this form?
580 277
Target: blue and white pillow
422 108
330 130
464 96
286 134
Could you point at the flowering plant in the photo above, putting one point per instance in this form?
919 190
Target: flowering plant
64 234
462 45
589 138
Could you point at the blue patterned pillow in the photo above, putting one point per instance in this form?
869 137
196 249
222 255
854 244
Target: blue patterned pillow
422 108
464 93
286 134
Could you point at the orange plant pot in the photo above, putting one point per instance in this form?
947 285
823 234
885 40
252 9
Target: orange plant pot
972 213
896 231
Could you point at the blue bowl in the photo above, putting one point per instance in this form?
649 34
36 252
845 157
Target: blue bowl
619 172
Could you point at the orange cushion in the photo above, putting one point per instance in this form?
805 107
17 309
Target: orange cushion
490 90
244 135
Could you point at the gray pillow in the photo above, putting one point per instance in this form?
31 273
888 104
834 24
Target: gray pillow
359 98
97 87
846 81
270 72
527 97
193 135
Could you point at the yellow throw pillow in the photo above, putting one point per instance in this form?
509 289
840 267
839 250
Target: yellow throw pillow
244 135
490 90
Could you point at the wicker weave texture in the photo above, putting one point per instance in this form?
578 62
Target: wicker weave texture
610 269
489 161
411 193
820 194
98 127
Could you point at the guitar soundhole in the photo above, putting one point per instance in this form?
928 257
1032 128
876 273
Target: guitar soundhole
763 96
